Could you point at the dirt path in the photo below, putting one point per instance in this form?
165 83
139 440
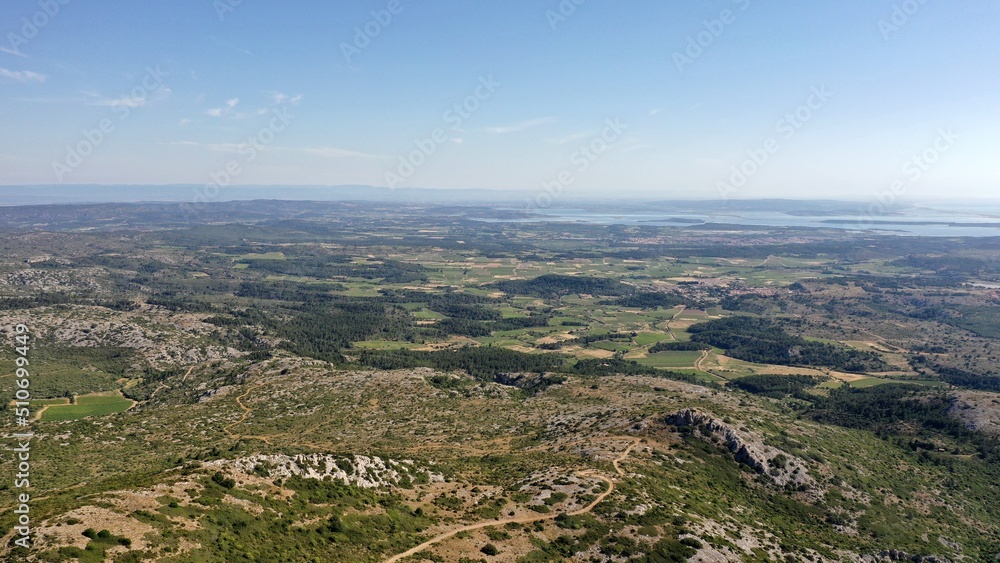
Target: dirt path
38 413
239 401
529 519
670 331
882 340
698 366
165 386
776 259
246 414
157 390
697 363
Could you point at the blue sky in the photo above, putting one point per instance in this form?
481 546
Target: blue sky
648 98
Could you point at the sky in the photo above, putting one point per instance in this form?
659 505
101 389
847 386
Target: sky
857 99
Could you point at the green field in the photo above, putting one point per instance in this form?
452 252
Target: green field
263 256
384 345
872 381
611 346
671 359
647 338
868 382
97 404
48 402
427 315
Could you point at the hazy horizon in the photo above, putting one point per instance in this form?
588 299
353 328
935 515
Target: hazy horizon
48 194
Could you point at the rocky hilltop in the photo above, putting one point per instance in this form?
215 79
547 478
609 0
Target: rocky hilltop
782 468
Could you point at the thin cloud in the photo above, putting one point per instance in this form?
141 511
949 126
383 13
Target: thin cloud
281 98
23 75
126 101
277 99
325 152
53 100
224 111
13 52
634 147
521 126
230 147
214 147
332 152
574 137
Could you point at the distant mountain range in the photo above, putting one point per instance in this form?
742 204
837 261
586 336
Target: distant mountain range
33 195
179 193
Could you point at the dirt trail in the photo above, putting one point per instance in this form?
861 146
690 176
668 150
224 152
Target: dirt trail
672 319
698 366
776 259
883 341
157 390
697 363
165 386
246 414
529 519
38 413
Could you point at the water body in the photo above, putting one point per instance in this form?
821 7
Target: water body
917 221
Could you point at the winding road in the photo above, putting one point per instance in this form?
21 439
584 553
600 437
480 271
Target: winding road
529 519
698 366
670 331
246 414
165 386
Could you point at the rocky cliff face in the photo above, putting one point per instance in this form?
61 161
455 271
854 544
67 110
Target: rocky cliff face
783 468
361 471
896 555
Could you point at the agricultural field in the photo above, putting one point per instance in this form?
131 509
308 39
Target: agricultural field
84 406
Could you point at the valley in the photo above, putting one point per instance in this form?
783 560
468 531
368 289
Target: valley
408 382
